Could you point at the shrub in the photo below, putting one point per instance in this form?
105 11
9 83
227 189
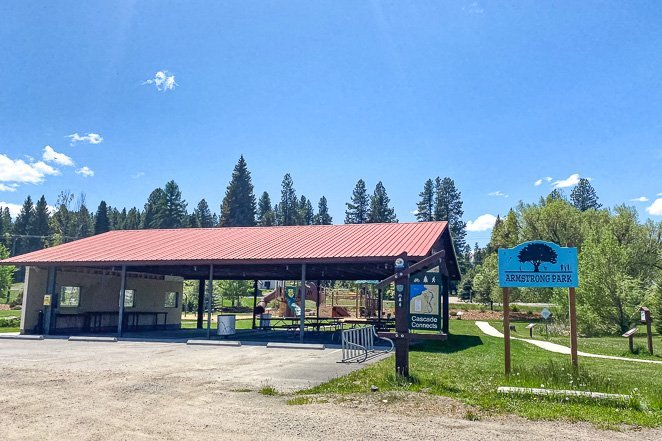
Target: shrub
10 322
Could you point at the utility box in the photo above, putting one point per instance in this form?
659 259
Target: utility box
227 325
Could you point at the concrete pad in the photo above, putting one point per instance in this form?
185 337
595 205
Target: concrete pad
21 337
313 346
213 343
93 339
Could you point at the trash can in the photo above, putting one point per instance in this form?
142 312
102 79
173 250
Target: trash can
265 321
226 325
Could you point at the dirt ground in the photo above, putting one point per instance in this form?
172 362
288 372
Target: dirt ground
59 390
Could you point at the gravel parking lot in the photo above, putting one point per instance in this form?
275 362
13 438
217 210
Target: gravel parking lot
60 390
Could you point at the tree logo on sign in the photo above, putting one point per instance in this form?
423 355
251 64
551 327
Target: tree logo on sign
536 254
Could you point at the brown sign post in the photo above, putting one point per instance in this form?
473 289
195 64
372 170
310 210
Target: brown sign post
648 320
401 278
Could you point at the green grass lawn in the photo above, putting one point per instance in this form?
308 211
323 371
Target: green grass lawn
10 313
607 345
4 314
469 367
191 324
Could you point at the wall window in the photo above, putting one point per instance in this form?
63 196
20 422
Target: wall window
129 298
171 299
70 297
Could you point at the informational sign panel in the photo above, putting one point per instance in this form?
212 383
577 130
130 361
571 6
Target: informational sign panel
538 264
425 301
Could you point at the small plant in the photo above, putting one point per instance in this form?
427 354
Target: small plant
515 308
268 390
470 415
299 401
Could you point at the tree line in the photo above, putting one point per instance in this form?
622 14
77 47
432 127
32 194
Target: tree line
620 259
38 225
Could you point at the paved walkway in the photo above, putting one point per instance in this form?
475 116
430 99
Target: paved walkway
553 347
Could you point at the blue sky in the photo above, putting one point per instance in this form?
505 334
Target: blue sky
496 95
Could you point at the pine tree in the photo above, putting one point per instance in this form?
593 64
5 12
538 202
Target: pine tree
556 195
101 222
23 226
495 237
380 212
173 213
239 206
203 215
7 225
583 196
84 226
322 217
132 219
306 212
265 214
153 208
357 209
288 208
448 207
41 225
425 207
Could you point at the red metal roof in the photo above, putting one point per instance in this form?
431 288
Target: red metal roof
333 243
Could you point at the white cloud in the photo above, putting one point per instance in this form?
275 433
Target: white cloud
14 209
138 175
655 208
659 194
474 8
570 181
51 155
163 81
539 182
92 138
483 222
10 187
85 172
23 172
639 199
498 193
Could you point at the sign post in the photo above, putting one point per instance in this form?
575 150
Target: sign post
414 281
647 319
538 264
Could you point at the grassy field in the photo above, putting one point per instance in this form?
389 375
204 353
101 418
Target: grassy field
607 345
469 367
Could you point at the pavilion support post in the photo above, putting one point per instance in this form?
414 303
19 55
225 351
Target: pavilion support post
255 291
302 314
201 304
48 315
317 304
445 297
210 295
120 319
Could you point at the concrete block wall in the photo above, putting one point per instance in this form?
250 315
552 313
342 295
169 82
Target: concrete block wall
99 292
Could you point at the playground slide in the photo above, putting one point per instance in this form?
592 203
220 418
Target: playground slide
262 305
312 293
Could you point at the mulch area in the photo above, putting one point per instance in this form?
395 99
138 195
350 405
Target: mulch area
495 315
4 307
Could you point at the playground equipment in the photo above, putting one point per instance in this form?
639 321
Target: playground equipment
289 298
362 302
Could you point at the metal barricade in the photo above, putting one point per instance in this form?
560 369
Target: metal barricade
358 344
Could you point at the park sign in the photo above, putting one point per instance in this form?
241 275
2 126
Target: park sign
424 301
538 264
